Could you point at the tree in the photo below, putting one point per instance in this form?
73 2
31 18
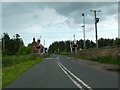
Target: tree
5 41
105 42
117 41
10 46
24 50
65 45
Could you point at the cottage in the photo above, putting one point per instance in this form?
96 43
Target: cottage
36 46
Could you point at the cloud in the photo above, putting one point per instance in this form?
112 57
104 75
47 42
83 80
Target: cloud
42 18
0 17
48 17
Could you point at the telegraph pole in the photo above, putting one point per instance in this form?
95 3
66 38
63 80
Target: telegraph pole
96 21
70 46
75 43
84 44
40 38
74 38
44 46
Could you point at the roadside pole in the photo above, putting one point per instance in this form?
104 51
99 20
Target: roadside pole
75 51
70 46
84 43
44 46
96 21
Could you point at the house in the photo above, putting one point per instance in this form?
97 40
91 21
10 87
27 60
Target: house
36 46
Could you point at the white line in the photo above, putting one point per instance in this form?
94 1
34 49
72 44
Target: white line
57 57
70 77
68 57
50 58
76 77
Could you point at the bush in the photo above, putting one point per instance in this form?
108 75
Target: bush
105 59
24 50
117 41
12 60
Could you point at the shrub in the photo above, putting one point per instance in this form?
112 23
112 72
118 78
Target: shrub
12 60
117 41
24 50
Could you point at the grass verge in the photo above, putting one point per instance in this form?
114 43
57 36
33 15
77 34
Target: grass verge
105 60
64 53
10 73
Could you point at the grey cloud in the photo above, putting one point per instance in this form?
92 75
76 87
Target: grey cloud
71 10
82 7
63 8
75 9
35 16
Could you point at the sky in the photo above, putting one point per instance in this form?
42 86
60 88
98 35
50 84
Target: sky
56 21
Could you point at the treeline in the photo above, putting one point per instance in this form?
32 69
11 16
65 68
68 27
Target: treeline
13 46
65 45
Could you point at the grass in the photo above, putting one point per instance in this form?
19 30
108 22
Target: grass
13 60
64 53
106 60
0 68
114 70
100 59
107 55
13 71
0 77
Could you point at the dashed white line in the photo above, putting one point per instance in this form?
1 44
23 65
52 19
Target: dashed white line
64 68
50 58
57 57
68 57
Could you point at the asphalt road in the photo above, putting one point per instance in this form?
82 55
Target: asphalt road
60 72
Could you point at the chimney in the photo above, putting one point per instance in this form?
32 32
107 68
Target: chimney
33 39
38 41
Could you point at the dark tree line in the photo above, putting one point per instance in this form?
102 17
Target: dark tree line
65 45
11 46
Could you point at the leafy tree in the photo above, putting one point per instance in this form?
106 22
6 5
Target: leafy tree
65 45
28 50
5 41
10 46
105 42
24 50
117 41
21 50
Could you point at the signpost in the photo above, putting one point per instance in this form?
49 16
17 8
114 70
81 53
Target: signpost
74 46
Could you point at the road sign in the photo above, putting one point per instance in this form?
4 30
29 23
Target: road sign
74 46
38 47
45 48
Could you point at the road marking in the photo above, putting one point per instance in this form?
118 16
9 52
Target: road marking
57 57
68 57
74 76
50 58
78 85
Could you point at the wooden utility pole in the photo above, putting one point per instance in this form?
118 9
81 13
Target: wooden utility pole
96 21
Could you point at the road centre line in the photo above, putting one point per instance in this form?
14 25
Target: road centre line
50 58
75 77
57 57
78 85
68 57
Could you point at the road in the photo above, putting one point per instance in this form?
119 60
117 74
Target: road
60 72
